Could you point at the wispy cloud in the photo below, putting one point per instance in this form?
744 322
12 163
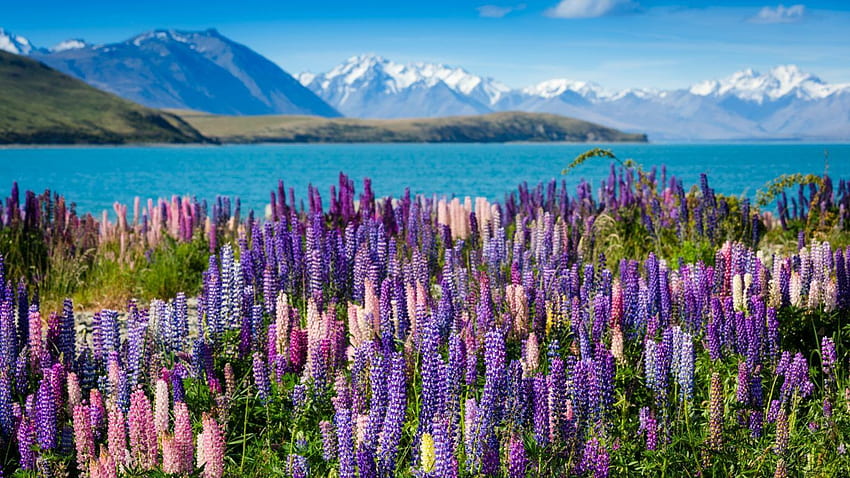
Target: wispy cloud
591 8
780 14
498 11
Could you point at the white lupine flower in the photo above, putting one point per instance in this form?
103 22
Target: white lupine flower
795 287
738 292
814 295
830 294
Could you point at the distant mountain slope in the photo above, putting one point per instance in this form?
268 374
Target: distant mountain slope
203 71
490 128
41 105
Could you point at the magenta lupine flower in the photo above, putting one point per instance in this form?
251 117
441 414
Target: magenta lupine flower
517 459
143 441
83 437
183 438
211 448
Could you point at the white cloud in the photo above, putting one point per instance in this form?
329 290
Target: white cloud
496 11
591 8
780 14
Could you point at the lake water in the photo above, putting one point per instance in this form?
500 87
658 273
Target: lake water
95 177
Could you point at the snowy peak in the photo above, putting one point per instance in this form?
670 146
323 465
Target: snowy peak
73 44
388 77
14 43
778 82
557 87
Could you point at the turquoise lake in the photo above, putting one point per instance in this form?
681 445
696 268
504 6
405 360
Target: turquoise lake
95 177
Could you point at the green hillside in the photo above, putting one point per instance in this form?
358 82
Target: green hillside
39 105
489 128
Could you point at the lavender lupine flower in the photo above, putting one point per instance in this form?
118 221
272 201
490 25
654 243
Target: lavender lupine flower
517 459
828 358
390 436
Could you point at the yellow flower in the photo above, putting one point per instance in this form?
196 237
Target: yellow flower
429 455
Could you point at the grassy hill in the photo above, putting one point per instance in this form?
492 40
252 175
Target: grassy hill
39 105
489 128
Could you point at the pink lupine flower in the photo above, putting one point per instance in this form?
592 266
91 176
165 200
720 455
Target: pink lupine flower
211 448
117 434
143 442
170 455
83 437
75 395
161 407
105 466
183 437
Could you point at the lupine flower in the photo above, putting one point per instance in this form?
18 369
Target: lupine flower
26 442
183 438
46 416
388 440
261 377
715 420
143 437
649 426
83 434
298 467
211 448
117 434
517 459
781 443
329 445
161 407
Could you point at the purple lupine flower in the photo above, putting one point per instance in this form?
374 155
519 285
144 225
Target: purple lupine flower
445 461
517 459
46 420
7 421
432 367
828 358
557 391
541 410
390 436
329 446
344 424
649 426
378 402
26 436
743 389
366 462
298 466
595 459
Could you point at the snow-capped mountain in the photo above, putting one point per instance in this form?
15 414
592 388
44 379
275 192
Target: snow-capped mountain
200 70
777 83
784 102
14 43
369 85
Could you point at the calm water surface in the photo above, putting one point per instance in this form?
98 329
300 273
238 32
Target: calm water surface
95 177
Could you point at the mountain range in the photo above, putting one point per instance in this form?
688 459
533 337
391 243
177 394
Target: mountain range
208 72
782 103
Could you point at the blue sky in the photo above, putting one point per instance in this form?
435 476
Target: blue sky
616 43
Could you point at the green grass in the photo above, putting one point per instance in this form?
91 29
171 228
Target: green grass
495 127
41 105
